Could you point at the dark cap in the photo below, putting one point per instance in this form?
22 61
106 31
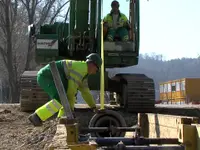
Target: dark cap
115 3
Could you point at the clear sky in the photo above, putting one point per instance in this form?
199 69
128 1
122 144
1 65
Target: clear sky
168 27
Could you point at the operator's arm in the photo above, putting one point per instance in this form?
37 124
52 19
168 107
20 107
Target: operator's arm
105 19
125 18
105 22
87 96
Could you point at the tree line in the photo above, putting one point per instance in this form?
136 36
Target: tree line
16 45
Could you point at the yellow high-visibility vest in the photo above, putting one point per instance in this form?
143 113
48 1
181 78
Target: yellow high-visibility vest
75 72
122 20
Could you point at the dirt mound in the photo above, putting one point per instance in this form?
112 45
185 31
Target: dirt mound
17 133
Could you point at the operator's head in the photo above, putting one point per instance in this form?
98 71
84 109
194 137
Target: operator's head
115 6
94 62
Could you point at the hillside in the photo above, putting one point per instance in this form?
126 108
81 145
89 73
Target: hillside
153 66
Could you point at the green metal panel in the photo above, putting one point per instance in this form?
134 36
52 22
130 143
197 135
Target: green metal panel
137 25
62 30
72 17
82 9
99 26
94 81
120 59
48 29
59 28
93 7
47 36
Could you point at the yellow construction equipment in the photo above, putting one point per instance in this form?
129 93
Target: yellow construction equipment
180 91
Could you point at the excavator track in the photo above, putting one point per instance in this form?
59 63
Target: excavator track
138 96
31 95
138 93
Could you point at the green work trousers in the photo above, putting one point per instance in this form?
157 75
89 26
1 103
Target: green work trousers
46 82
121 32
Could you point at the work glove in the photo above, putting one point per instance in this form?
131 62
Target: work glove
96 110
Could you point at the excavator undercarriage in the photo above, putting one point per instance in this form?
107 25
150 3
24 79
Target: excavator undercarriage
134 92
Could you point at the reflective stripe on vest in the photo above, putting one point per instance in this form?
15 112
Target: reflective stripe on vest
68 70
53 106
48 110
121 20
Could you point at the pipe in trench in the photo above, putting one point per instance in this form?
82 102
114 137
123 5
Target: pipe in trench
174 147
110 141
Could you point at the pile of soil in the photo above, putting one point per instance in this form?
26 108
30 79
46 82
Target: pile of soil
17 133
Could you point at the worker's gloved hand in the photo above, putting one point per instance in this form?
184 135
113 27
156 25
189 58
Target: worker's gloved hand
96 110
101 111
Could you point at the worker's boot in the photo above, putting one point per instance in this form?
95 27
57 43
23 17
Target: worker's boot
35 120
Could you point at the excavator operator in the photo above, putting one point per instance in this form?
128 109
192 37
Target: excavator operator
116 23
74 77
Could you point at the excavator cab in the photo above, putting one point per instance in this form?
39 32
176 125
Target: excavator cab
81 35
120 53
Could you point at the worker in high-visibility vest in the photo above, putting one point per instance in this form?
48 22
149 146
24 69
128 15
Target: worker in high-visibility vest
116 23
74 77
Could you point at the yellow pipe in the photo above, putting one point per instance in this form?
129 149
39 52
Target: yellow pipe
102 88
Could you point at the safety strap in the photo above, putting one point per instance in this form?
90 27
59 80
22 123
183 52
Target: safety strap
66 70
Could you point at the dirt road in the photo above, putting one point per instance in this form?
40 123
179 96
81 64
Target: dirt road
16 133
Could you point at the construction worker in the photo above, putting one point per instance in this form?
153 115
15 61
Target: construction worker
116 23
74 77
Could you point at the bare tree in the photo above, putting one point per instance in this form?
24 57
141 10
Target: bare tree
8 17
15 15
39 12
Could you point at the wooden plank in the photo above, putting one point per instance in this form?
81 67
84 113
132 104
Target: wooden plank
163 126
198 135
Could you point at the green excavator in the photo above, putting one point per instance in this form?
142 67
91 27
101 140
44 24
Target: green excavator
82 35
